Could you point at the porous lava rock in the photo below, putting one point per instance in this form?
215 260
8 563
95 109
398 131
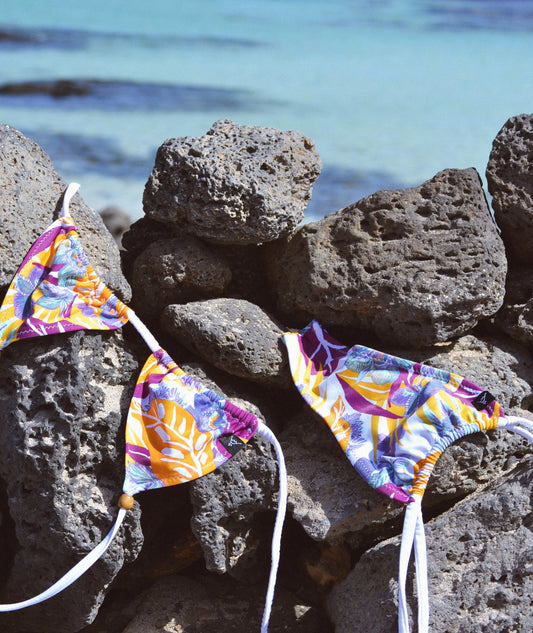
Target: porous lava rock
510 182
237 184
31 194
62 406
234 335
411 266
177 270
480 570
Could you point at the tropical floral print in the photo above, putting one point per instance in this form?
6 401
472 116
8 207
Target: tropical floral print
177 430
56 290
391 416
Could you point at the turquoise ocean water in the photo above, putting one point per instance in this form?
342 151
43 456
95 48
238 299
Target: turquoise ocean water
391 91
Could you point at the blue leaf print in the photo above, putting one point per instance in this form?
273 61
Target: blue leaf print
379 478
142 477
56 297
360 359
24 289
72 261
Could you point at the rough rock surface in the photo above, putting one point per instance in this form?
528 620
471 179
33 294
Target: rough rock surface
510 182
177 270
225 503
62 406
517 321
237 184
480 568
30 198
233 335
413 266
183 605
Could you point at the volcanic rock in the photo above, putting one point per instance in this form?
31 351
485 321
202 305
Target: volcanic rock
412 266
236 185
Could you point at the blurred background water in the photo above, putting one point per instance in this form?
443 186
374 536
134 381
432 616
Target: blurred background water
391 91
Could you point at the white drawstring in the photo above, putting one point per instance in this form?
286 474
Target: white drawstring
421 573
145 333
413 533
72 575
264 431
69 193
519 425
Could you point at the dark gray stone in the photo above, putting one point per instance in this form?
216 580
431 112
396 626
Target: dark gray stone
517 321
237 184
413 266
226 501
177 270
63 405
510 182
480 568
206 603
515 318
31 194
233 335
116 221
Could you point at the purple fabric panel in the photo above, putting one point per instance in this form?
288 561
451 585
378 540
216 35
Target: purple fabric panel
360 403
139 454
242 423
44 241
312 345
393 492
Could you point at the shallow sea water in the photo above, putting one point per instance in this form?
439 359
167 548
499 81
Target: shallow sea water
390 92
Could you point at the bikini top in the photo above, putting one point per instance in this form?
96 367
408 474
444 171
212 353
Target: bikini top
176 429
393 418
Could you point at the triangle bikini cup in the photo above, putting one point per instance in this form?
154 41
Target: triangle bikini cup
392 417
176 429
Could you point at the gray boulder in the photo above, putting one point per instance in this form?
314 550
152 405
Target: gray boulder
225 503
237 184
62 407
30 198
233 335
516 316
177 270
413 266
510 182
179 604
480 570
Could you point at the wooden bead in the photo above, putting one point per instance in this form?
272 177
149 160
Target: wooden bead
126 502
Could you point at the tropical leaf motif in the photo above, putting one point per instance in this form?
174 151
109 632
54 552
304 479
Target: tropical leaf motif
391 416
55 290
175 424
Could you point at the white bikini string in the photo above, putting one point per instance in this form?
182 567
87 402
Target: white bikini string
69 193
519 425
265 432
413 533
421 573
145 333
71 576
